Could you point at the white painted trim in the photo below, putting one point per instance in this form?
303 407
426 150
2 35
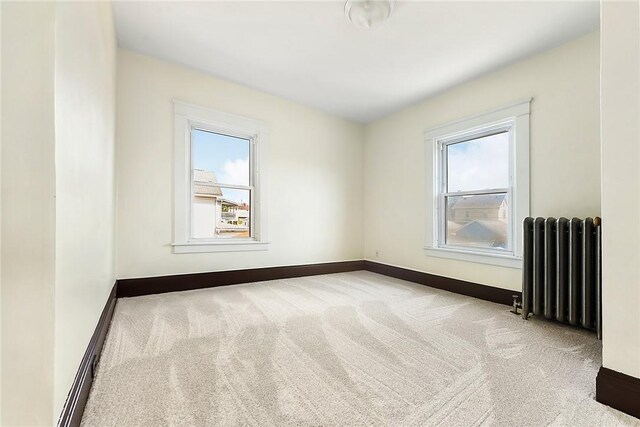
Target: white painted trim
188 116
503 260
514 116
210 116
199 247
514 109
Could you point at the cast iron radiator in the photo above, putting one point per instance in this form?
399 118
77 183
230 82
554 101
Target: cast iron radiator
561 272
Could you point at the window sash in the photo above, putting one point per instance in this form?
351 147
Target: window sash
471 135
217 184
251 187
467 136
225 132
442 184
476 192
443 222
252 218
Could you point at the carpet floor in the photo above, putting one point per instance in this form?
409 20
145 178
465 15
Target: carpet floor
343 349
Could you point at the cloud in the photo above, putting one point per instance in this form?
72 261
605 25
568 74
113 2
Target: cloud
479 165
235 172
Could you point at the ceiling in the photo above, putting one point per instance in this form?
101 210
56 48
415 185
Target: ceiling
309 53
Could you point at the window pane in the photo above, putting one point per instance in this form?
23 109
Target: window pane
478 221
227 157
478 164
220 212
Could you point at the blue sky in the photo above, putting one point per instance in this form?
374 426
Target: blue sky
226 156
479 164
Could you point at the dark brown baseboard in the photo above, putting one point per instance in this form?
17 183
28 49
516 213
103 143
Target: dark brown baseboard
484 292
76 400
620 391
185 282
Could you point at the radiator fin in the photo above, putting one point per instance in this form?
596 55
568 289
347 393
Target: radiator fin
561 275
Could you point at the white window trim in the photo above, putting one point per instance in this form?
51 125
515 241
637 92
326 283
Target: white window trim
518 114
188 116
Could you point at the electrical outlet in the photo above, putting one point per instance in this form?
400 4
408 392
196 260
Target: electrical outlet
377 253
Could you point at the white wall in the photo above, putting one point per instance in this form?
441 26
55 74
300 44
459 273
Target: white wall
564 155
28 212
85 76
315 173
0 213
621 185
58 115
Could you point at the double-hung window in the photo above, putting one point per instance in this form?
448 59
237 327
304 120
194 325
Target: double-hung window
480 186
219 181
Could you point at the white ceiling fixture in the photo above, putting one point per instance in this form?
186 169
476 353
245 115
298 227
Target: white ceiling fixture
306 51
368 13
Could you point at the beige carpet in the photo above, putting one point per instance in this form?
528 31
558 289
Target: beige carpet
344 349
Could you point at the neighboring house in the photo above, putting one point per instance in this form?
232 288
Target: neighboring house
212 213
479 221
234 213
493 233
493 207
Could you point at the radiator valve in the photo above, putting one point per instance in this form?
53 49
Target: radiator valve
516 304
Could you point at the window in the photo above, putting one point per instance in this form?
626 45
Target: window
480 186
219 180
221 185
475 190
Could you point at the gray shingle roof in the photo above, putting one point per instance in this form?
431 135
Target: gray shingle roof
496 226
480 202
200 179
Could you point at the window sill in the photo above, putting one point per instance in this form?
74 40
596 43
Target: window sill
203 247
509 261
